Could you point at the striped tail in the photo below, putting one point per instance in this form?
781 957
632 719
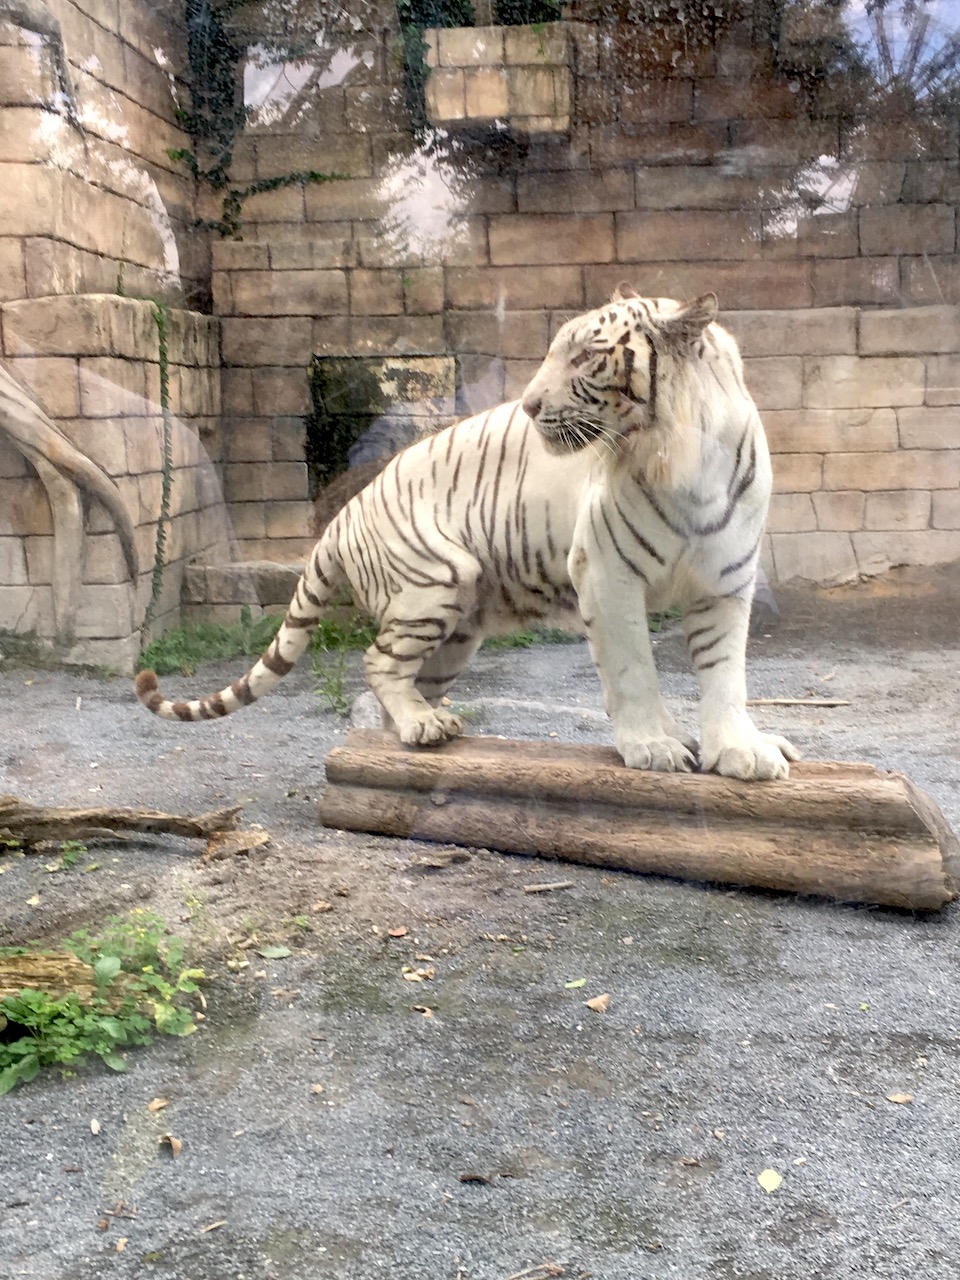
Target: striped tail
314 591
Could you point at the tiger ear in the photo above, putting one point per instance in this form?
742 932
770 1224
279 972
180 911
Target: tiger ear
687 324
623 291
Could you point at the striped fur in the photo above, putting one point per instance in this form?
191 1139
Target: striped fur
633 476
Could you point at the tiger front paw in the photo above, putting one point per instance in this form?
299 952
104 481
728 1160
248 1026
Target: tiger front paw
661 753
429 727
754 757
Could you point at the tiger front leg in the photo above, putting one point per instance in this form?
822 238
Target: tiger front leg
613 608
731 744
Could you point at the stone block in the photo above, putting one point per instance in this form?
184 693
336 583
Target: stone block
480 383
515 288
111 387
787 234
538 92
13 279
673 143
486 95
856 282
26 609
782 142
547 239
53 381
353 199
896 229
704 186
912 329
103 561
931 280
567 192
840 510
13 561
331 336
289 520
791 513
465 245
862 382
245 482
943 380
27 77
753 285
423 290
281 391
25 508
797 472
142 444
656 102
285 204
682 237
39 553
905 469
286 481
878 552
249 521
445 96
12 462
517 334
824 558
376 293
818 331
775 382
880 182
946 509
744 99
402 335
268 341
105 611
347 156
289 293
517 375
832 430
239 255
929 428
898 509
314 254
531 45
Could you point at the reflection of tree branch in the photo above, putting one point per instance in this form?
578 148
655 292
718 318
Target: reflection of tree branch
883 46
912 55
63 469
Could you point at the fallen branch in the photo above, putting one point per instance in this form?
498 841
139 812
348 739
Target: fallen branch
549 888
797 702
29 824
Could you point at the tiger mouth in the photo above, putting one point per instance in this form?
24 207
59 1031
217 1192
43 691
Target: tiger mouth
568 437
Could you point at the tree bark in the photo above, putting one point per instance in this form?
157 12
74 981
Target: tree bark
30 824
844 831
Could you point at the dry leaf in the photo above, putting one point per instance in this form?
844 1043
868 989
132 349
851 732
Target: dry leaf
770 1180
316 1088
212 1226
398 931
599 1004
321 906
720 1134
175 1145
900 1098
94 1126
690 1161
424 1009
103 1224
158 1104
33 900
122 1244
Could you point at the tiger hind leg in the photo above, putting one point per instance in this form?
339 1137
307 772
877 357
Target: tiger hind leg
415 658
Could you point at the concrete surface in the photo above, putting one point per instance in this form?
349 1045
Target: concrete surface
745 1031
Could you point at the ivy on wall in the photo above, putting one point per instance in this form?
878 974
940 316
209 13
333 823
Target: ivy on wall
217 44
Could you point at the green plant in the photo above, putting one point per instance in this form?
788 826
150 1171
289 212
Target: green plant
527 639
183 649
218 39
332 642
139 973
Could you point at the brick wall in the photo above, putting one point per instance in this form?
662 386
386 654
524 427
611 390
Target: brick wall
87 214
680 168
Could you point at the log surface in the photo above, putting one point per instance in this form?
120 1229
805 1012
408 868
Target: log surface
847 831
30 824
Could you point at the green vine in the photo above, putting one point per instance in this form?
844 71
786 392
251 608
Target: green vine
216 46
161 316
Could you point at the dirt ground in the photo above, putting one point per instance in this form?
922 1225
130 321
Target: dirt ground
746 1030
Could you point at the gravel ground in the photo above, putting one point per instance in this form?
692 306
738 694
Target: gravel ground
746 1031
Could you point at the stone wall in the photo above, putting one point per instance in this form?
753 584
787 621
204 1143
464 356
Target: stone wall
95 217
676 166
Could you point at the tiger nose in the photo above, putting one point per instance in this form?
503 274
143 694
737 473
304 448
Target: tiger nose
532 406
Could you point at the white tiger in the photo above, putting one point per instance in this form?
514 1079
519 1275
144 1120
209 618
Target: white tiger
632 476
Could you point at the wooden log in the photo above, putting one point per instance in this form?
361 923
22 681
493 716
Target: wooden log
845 831
30 824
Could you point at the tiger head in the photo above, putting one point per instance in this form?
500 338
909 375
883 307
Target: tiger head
618 373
